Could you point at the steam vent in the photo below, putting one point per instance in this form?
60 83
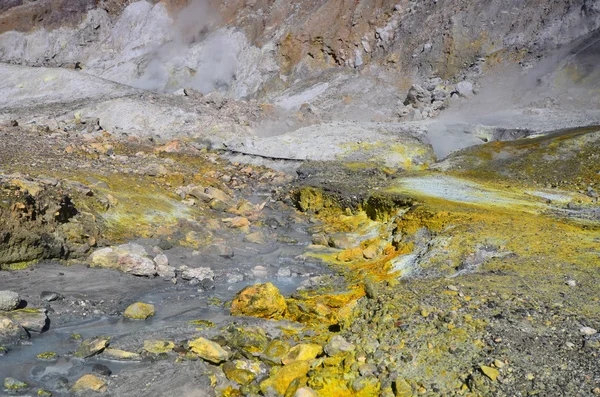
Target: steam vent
317 198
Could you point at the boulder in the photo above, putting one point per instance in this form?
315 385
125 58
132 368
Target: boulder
33 320
464 89
238 375
14 385
417 96
139 310
280 378
209 350
199 273
137 265
259 300
89 382
302 351
91 347
158 346
9 300
11 332
129 258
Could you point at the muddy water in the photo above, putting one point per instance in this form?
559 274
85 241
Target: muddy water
95 298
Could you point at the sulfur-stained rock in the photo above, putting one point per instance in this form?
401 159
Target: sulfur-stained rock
91 347
490 372
238 375
120 355
14 385
259 300
158 346
89 382
281 377
403 388
139 310
105 257
275 351
11 332
33 320
220 195
302 351
370 252
251 340
209 350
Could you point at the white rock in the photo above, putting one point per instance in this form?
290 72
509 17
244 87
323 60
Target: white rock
465 89
161 260
199 273
9 300
587 331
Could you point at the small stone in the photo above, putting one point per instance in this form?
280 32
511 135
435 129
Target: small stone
9 300
259 300
91 347
452 288
161 260
237 222
337 344
367 369
47 356
587 331
499 363
280 378
219 195
490 372
158 346
238 375
89 382
199 273
275 351
302 351
570 345
166 272
260 271
137 265
571 283
14 385
370 252
305 392
255 238
101 369
139 310
284 272
403 388
464 89
120 355
50 296
209 350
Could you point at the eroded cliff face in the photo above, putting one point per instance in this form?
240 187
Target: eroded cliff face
269 46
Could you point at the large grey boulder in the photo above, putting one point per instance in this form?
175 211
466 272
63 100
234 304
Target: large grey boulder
9 300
